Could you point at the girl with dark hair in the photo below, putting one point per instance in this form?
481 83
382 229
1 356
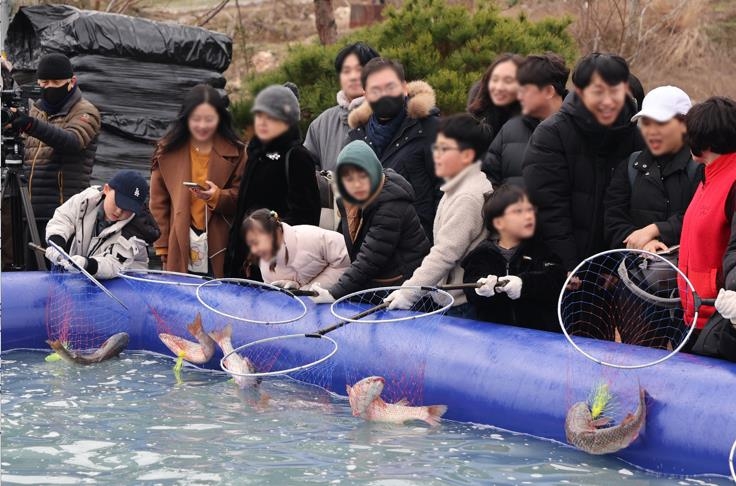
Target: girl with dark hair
195 177
294 257
280 173
520 279
493 100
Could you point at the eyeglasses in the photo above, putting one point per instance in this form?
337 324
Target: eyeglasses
440 149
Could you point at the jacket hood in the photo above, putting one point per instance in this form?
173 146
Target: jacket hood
359 154
573 106
421 104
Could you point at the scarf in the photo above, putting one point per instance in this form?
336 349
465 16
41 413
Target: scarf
344 102
381 134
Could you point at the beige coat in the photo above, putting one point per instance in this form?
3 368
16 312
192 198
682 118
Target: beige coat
458 228
315 255
171 203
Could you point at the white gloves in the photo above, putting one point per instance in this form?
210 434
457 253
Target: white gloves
286 284
487 286
726 304
323 295
53 255
402 299
67 265
511 285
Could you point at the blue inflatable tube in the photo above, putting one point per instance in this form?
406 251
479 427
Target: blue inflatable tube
516 379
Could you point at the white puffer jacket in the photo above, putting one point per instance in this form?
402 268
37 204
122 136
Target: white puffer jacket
75 222
315 255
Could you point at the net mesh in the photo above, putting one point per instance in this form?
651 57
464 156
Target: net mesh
250 302
68 317
402 367
625 296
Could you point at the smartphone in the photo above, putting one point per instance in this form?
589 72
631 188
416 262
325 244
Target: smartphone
194 185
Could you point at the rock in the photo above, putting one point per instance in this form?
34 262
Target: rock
263 61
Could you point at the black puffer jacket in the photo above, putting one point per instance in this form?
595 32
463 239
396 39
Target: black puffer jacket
410 150
567 168
542 276
662 190
503 161
59 153
390 243
265 185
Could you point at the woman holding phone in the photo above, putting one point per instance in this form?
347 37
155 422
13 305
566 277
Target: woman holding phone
195 177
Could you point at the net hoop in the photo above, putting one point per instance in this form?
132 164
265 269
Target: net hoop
294 369
130 275
415 315
639 292
731 457
241 281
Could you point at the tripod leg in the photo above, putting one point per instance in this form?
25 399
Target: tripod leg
35 238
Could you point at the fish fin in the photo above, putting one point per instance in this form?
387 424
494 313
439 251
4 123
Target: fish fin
403 403
55 345
601 422
434 414
263 400
217 335
195 327
628 419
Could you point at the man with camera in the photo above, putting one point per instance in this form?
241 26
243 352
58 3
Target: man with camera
61 132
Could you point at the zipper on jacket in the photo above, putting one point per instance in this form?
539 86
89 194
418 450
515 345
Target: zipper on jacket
513 304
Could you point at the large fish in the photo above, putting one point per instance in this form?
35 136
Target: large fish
197 353
366 402
113 346
592 436
235 362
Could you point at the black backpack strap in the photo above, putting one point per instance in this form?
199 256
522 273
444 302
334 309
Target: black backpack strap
632 169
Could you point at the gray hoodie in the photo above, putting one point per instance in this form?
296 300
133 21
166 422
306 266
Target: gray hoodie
328 133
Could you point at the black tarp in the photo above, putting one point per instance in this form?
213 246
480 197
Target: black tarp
135 71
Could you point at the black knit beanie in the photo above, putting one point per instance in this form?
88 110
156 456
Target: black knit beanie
54 66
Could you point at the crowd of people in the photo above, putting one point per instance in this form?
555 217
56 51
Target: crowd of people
511 195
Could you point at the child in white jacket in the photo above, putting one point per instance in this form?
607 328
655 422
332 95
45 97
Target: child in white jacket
104 229
294 257
458 224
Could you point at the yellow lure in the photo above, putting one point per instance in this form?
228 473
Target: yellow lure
599 400
178 366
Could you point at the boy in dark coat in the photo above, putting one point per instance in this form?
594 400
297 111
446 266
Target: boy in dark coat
520 280
382 231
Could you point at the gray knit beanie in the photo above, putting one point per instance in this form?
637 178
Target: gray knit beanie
278 102
359 154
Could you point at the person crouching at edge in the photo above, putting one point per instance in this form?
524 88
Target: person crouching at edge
708 241
519 279
458 225
293 257
382 231
105 229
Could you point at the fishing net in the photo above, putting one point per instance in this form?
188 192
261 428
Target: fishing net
330 361
626 296
250 302
80 314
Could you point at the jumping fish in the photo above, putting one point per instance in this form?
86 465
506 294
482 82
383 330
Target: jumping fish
595 437
113 346
197 353
239 365
366 402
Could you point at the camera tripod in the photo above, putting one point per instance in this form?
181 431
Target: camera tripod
15 193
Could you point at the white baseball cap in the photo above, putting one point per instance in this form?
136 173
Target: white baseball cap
664 103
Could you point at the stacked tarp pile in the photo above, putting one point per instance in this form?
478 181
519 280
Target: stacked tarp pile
135 71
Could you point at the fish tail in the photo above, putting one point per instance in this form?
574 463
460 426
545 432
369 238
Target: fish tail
195 327
434 414
55 345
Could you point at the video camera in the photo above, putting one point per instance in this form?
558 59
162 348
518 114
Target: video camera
14 101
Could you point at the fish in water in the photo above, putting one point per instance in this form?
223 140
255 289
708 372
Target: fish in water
113 346
366 402
197 353
596 436
235 362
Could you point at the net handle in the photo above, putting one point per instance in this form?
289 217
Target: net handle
356 317
697 303
475 285
126 274
85 273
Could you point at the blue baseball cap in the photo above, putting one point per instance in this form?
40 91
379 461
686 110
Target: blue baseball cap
131 190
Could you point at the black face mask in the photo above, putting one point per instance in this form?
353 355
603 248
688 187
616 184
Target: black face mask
387 107
54 96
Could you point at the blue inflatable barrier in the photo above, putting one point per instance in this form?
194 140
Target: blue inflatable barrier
516 379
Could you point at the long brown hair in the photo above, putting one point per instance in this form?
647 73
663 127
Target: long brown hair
267 221
482 100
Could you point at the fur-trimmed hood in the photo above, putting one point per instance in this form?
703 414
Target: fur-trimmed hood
422 100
